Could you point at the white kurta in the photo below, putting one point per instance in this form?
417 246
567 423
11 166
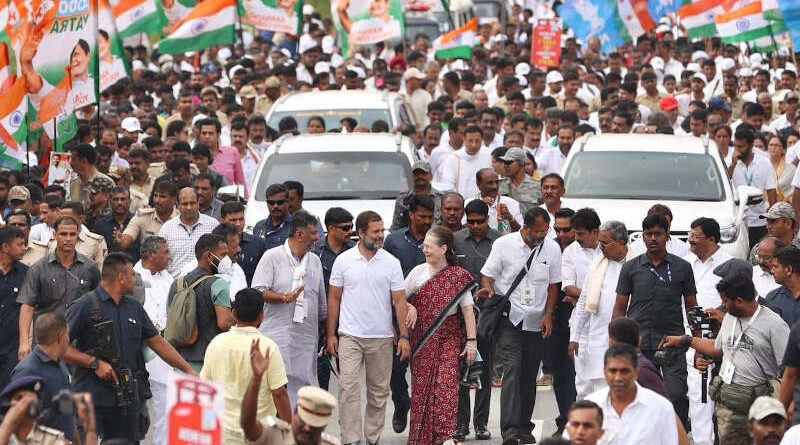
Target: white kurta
296 341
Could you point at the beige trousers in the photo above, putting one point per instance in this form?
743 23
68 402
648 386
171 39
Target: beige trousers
356 355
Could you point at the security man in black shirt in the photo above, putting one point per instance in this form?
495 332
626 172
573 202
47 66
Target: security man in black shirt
12 274
107 314
654 284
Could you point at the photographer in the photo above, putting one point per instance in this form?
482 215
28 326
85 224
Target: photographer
45 361
751 344
110 330
21 403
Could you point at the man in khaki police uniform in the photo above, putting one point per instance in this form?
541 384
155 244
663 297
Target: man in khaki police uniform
89 244
35 250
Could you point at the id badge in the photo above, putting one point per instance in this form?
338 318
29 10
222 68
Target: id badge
726 372
528 294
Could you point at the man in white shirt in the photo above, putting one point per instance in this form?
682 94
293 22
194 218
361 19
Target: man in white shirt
553 159
417 98
705 257
632 415
755 171
592 313
504 213
183 231
455 142
360 311
762 275
153 270
520 336
460 167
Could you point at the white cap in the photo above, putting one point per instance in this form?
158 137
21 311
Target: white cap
726 64
700 76
697 55
286 53
224 54
657 63
308 9
745 72
198 118
306 43
131 124
458 64
336 60
322 67
327 44
693 67
186 66
755 59
522 69
554 77
359 71
523 81
137 64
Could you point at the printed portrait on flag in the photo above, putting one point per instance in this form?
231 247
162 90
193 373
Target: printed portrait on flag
177 10
365 22
274 15
59 82
110 54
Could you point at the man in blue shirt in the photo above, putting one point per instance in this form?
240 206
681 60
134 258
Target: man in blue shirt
275 228
52 340
786 271
12 274
406 245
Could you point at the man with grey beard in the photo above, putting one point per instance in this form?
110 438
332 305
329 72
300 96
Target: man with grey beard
358 310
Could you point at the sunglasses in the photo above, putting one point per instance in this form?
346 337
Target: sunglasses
278 202
507 162
475 222
562 229
345 227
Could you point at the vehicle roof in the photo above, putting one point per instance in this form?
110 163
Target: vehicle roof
643 142
336 100
327 142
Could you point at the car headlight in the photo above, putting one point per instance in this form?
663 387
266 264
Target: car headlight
728 234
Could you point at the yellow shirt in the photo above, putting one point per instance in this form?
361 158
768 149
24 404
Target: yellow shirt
227 363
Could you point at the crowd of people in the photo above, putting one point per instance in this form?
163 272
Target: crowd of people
136 268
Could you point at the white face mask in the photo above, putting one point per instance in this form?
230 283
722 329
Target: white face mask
224 266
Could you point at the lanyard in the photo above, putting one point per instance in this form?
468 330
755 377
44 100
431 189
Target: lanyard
735 343
658 275
748 178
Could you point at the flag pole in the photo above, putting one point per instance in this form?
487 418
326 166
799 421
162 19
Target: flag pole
27 145
240 32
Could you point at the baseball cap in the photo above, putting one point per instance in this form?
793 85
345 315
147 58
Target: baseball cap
209 90
421 165
308 9
734 266
131 124
315 406
19 193
788 94
554 77
699 76
514 154
272 82
766 406
322 67
718 103
361 74
779 210
248 92
413 73
668 103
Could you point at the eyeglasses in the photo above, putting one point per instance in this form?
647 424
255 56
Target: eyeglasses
345 227
562 229
696 236
475 222
277 202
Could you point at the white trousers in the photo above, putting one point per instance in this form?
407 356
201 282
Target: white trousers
701 414
159 421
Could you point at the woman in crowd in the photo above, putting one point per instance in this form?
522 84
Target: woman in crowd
315 125
784 171
435 370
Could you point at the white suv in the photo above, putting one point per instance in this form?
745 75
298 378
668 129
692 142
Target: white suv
621 176
357 171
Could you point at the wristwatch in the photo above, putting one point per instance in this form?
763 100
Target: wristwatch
402 337
94 364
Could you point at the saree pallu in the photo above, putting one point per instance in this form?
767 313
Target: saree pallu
435 371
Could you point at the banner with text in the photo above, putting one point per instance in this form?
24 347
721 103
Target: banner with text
546 43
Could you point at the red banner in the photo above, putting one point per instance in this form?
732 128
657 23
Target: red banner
546 43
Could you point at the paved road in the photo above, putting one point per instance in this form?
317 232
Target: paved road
544 417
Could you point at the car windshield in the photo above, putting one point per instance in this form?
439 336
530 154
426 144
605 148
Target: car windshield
364 117
430 29
339 175
644 175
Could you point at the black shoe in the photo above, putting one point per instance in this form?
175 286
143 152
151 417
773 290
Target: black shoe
526 438
481 433
462 431
400 420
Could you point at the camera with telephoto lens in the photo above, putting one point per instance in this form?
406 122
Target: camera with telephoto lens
700 321
667 356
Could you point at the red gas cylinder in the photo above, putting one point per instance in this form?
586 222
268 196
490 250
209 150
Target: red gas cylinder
193 420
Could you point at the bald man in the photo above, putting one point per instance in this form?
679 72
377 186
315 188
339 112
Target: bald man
183 231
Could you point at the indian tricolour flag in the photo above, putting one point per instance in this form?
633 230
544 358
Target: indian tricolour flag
458 43
210 23
139 16
636 17
7 74
743 25
698 18
13 129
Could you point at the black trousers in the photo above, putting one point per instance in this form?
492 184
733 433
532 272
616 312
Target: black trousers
399 385
521 353
675 375
7 363
111 424
563 368
483 396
